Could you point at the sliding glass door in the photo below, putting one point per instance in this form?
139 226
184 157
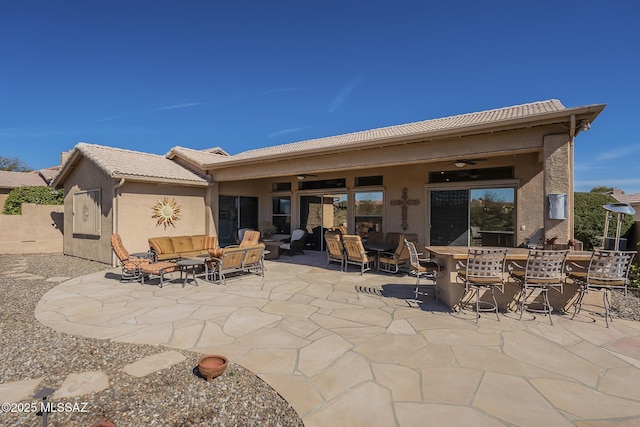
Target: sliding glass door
319 213
476 217
235 212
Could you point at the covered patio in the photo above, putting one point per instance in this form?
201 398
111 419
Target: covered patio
349 350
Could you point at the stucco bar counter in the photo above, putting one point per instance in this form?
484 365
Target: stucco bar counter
451 292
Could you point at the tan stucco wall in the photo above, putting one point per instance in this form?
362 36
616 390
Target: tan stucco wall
134 220
38 230
86 176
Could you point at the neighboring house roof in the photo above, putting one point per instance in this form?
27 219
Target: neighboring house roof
631 199
9 179
132 165
49 173
512 117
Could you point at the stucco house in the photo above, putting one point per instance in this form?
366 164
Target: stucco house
496 177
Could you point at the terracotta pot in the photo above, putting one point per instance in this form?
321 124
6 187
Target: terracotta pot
212 366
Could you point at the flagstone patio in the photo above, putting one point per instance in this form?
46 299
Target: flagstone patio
346 349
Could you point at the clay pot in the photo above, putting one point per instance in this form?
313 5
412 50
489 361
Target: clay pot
212 366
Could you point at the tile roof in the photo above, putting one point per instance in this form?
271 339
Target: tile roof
49 173
121 163
9 179
494 116
199 157
631 199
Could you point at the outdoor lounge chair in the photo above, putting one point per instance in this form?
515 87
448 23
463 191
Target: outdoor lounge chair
392 261
158 269
131 266
296 244
335 248
608 271
356 253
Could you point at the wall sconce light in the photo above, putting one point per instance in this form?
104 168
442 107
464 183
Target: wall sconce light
460 164
586 125
300 177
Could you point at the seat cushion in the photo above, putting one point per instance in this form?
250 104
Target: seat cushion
196 241
161 245
182 244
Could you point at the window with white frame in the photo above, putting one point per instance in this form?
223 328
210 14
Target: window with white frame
369 207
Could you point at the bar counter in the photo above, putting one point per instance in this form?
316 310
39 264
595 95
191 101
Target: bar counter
451 292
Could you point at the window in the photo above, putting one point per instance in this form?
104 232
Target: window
322 183
86 213
281 186
281 214
368 181
368 212
468 174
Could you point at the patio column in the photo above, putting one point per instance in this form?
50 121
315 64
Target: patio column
558 179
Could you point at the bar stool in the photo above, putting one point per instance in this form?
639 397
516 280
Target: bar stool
484 270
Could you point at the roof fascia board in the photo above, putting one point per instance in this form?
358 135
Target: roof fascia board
589 112
155 180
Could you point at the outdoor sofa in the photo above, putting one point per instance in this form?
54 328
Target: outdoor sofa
175 247
248 259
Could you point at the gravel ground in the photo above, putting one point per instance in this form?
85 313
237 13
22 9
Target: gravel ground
171 397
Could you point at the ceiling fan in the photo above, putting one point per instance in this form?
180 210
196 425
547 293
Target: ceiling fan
302 176
460 163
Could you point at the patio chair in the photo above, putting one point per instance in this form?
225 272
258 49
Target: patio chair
356 253
607 271
484 270
335 248
543 271
250 238
130 265
421 267
296 243
391 262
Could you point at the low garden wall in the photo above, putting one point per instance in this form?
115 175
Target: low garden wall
38 230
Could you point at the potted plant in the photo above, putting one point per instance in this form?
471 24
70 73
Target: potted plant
268 230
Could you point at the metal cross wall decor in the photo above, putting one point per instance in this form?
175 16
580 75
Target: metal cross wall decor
404 202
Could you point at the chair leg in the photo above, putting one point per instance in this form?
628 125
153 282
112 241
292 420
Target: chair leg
577 305
495 303
477 305
547 306
607 306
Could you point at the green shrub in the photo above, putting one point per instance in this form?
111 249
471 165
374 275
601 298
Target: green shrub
589 216
39 195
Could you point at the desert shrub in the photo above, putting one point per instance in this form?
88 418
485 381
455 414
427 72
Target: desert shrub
39 195
589 217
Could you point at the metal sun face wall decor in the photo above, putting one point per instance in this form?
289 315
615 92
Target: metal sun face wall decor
166 212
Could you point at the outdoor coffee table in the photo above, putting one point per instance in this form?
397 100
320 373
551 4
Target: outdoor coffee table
185 265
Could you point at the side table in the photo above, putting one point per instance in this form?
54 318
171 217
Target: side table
273 248
185 265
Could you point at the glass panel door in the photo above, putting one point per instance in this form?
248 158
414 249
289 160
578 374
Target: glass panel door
235 212
477 217
492 217
319 213
449 218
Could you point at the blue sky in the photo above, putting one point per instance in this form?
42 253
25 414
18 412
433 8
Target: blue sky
151 75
